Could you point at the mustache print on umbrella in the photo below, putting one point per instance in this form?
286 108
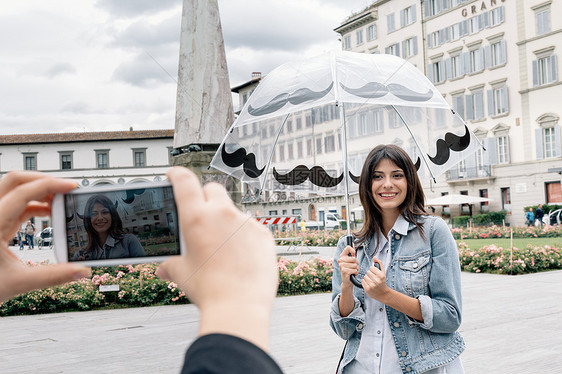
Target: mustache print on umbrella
452 142
300 96
317 176
239 157
375 90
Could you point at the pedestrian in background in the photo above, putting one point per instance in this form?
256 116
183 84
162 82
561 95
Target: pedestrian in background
539 214
29 234
530 216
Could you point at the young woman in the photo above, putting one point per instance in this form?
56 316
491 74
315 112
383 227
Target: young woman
406 316
106 237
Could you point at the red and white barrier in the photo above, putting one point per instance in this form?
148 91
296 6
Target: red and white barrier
276 220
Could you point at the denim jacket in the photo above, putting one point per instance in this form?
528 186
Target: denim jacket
427 269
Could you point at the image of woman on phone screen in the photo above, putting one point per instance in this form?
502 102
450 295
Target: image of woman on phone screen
106 237
406 316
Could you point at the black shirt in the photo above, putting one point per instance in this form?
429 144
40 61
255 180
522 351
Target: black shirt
220 353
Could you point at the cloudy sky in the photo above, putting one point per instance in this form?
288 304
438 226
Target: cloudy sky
95 65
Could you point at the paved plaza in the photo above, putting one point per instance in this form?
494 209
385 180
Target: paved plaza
511 324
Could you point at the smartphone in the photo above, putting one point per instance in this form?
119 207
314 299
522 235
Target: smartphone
116 224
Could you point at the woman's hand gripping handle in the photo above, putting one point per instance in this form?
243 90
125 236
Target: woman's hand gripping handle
353 278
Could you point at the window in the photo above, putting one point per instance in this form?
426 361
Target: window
390 22
102 159
30 161
497 16
474 105
408 16
319 145
309 146
502 147
484 204
545 70
549 142
281 151
495 54
308 121
476 60
299 123
65 160
432 7
347 42
506 199
289 126
410 47
553 192
329 143
299 149
436 72
371 32
497 101
542 17
359 36
139 157
456 66
290 152
393 49
433 39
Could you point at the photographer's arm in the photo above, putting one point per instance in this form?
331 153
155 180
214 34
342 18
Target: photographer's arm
229 270
22 196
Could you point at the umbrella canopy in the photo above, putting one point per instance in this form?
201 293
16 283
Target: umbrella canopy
309 125
453 199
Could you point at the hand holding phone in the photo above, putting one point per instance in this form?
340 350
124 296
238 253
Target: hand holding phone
116 224
230 267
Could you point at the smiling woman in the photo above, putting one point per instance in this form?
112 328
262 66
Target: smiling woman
106 237
396 323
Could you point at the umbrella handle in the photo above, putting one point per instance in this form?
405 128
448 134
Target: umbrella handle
353 278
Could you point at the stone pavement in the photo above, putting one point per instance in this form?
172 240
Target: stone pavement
511 324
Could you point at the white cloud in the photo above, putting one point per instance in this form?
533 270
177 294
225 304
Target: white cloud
95 65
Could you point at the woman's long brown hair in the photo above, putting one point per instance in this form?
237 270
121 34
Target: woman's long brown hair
413 205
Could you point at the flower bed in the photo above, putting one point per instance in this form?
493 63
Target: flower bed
138 285
505 232
492 259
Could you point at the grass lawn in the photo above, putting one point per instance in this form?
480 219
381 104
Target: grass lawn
517 243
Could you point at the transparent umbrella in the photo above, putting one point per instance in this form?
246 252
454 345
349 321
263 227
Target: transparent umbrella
309 125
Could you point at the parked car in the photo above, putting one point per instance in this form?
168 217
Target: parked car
44 237
555 217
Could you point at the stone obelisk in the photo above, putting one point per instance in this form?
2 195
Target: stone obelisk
204 103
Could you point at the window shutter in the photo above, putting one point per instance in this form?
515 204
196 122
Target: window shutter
448 68
415 41
429 45
488 56
397 49
390 22
485 20
503 54
402 18
460 105
470 165
466 62
469 107
557 141
426 12
490 154
430 72
480 59
535 73
442 72
553 68
478 105
539 144
505 99
413 13
501 14
491 103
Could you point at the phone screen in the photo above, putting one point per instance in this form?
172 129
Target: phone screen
121 224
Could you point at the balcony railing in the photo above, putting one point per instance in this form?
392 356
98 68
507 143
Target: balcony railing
469 173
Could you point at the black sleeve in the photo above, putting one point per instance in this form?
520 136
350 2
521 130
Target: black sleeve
220 353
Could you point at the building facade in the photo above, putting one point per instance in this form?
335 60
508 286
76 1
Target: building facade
496 64
90 158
